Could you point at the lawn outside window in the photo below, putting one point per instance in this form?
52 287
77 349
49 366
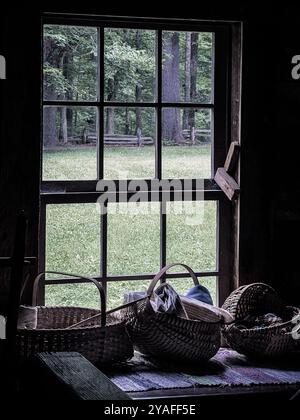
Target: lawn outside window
133 100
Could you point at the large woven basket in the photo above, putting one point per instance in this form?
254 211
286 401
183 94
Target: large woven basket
103 339
271 341
172 337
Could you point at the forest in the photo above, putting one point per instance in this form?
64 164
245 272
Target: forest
72 73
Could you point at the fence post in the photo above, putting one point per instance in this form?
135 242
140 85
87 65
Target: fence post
139 137
193 135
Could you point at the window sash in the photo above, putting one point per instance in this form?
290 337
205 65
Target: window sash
219 78
222 234
67 192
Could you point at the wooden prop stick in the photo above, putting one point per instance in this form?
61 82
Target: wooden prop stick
224 177
232 157
227 184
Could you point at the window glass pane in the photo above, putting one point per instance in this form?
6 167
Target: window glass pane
73 239
70 143
192 235
187 143
187 67
86 295
117 290
70 63
130 65
130 137
133 238
184 285
75 295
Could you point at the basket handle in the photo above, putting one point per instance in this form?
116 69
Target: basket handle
90 279
163 271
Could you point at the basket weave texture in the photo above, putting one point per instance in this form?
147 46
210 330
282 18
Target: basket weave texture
268 341
165 336
103 339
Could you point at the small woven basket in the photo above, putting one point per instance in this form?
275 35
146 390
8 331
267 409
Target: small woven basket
193 339
102 339
261 342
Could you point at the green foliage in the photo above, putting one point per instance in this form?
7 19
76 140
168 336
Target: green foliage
129 63
125 121
71 73
70 62
55 80
205 67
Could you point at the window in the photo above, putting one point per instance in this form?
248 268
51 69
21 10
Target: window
133 100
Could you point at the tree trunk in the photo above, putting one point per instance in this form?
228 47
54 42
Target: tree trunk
194 74
172 129
49 115
63 129
138 89
63 125
187 86
127 122
70 94
110 121
138 112
49 127
110 112
70 119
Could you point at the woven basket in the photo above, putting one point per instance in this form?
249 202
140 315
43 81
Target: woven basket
172 337
103 339
272 341
253 299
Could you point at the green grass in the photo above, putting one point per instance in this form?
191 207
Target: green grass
73 232
70 164
79 163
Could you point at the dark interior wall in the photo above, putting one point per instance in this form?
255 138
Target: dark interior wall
270 212
20 136
270 103
284 168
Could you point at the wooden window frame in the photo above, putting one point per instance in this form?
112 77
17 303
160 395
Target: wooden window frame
84 192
